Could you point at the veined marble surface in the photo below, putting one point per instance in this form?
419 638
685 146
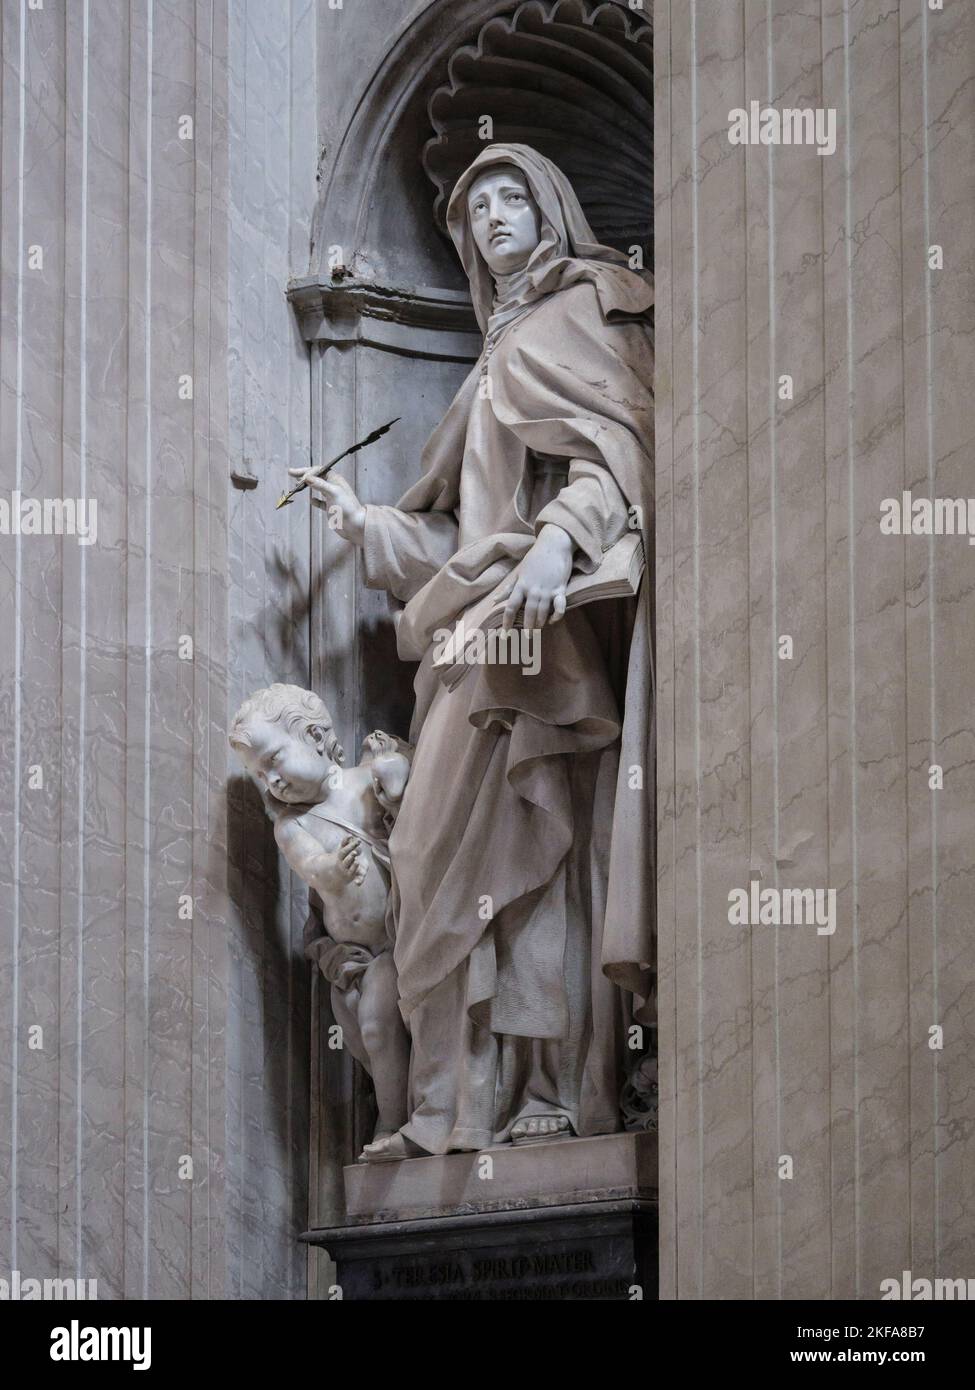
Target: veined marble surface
813 771
169 1032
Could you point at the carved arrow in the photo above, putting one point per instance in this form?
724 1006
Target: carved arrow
323 468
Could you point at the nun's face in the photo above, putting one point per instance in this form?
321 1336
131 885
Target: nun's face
505 219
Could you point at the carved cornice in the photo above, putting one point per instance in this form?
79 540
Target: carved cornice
421 321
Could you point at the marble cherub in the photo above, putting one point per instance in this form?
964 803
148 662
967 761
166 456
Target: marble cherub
332 823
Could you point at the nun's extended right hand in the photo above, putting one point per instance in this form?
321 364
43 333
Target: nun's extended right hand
346 514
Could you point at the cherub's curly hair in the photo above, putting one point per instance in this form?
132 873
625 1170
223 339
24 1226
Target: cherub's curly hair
298 710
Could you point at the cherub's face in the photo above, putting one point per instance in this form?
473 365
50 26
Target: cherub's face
505 219
292 767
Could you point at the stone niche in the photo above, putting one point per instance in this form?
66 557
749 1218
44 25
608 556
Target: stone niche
391 331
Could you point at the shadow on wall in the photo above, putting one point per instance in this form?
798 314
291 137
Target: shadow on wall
291 610
268 1052
387 704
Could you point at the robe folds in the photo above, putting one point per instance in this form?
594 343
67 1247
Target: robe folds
522 856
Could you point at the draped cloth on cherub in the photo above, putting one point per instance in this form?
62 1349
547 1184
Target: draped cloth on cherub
568 365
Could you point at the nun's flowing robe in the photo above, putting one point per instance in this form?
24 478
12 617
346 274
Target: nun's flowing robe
522 855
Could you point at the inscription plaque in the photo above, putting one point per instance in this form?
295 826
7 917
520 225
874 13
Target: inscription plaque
595 1251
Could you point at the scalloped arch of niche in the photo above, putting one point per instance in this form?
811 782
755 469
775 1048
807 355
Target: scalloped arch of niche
572 78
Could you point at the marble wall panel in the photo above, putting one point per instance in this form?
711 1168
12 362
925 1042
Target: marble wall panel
272 165
813 770
147 349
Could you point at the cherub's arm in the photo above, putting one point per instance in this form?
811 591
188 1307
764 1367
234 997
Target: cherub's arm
303 852
390 773
323 869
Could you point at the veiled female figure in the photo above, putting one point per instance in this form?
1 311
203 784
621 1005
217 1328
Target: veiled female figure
522 855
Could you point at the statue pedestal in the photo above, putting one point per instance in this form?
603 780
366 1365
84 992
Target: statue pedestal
571 1219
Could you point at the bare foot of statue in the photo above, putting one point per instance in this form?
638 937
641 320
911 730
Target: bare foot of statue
389 1148
534 1128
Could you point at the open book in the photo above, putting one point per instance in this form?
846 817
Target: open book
617 576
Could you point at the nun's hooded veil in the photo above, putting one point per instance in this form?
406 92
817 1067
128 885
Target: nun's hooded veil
535 793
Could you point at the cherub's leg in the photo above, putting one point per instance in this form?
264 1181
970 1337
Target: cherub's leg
386 1041
345 1011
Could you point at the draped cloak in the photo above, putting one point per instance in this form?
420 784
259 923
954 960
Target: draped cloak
523 864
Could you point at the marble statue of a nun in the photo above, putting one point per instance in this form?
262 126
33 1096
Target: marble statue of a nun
522 856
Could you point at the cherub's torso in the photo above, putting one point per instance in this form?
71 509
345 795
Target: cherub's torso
355 913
